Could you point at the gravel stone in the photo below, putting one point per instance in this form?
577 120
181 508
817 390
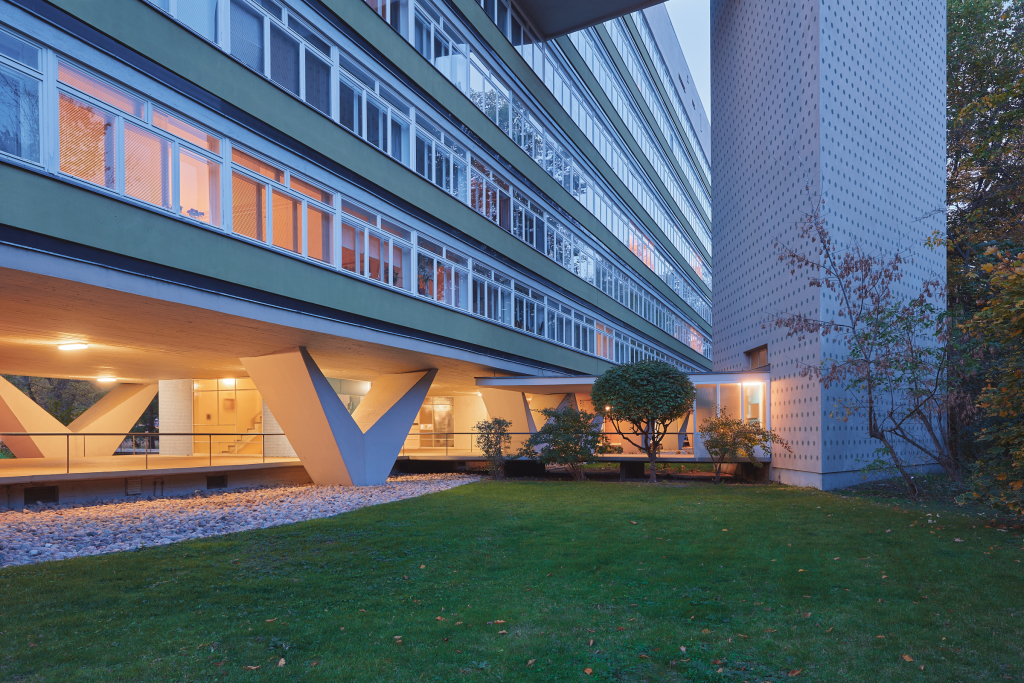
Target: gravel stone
75 530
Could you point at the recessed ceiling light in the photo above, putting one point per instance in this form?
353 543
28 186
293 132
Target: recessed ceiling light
106 380
229 381
72 347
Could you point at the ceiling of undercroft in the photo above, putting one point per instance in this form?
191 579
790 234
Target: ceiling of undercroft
137 339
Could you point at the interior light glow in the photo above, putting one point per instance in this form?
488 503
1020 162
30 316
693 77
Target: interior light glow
106 380
73 347
229 381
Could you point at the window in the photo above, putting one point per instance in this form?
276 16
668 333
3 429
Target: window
147 166
287 222
247 35
318 83
87 142
200 16
249 206
199 187
253 164
19 111
758 358
284 59
351 100
18 50
185 131
104 92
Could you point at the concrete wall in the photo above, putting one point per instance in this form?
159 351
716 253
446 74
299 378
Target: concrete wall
175 411
847 99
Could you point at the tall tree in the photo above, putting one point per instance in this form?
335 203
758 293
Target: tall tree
65 399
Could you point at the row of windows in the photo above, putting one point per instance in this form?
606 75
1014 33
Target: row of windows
598 61
440 43
439 158
552 67
630 54
375 112
640 21
143 151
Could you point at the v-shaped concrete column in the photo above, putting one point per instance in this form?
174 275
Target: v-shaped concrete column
116 413
335 447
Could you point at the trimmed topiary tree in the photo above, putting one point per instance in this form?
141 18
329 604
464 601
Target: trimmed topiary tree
641 400
569 438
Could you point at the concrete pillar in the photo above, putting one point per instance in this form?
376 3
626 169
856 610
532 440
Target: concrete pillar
175 401
117 413
336 447
512 406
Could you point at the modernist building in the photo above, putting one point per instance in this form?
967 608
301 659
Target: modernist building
279 209
330 218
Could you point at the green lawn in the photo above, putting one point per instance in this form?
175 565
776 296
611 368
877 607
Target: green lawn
541 581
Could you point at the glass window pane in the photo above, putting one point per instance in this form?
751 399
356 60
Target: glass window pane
399 266
312 38
425 275
351 104
272 7
319 235
359 212
287 225
199 187
318 83
351 248
253 164
96 88
376 123
87 142
185 131
400 140
374 257
247 35
147 166
311 190
249 207
284 59
200 16
18 50
19 113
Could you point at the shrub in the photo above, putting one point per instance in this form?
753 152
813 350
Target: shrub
494 440
569 438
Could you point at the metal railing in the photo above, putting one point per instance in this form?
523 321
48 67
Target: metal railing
147 444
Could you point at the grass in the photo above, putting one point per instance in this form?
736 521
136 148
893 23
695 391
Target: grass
541 581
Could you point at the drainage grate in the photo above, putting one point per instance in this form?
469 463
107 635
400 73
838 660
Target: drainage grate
41 494
217 481
133 486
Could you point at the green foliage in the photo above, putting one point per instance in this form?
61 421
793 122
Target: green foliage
644 398
568 438
494 440
730 438
998 475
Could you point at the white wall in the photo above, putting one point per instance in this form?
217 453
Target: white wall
850 99
175 410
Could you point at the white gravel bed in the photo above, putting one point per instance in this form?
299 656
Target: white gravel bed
57 532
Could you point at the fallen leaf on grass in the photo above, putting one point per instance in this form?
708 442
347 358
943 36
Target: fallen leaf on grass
795 672
769 630
621 628
499 621
835 558
588 670
958 540
716 662
908 658
270 620
682 648
799 570
280 662
251 668
703 630
423 566
741 635
502 632
440 619
591 643
632 522
807 615
644 657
